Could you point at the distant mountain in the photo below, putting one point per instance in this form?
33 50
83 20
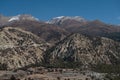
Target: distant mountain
98 28
23 17
82 26
57 28
5 19
85 50
68 23
61 19
19 48
49 32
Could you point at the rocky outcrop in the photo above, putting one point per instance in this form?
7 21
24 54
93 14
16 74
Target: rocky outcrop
19 48
86 50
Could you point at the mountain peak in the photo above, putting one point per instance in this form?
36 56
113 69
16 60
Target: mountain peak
22 17
98 21
14 18
61 19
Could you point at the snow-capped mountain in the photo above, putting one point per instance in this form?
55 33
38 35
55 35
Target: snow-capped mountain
61 19
8 19
14 18
22 17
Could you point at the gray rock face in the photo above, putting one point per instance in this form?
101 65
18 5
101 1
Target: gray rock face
19 48
86 50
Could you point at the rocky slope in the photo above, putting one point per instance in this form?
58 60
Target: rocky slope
19 48
19 45
86 50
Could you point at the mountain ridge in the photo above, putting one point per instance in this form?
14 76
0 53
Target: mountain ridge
86 50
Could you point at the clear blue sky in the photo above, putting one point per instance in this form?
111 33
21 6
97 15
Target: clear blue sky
105 10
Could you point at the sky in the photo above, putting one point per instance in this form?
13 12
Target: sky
107 11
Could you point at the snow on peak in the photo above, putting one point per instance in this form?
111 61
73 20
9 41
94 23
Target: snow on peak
35 18
14 18
61 19
22 17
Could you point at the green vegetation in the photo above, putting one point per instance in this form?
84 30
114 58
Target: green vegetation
104 68
112 77
64 65
60 63
113 71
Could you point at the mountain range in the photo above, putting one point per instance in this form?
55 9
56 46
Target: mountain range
26 40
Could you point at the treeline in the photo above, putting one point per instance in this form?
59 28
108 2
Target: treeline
113 71
105 68
60 63
112 77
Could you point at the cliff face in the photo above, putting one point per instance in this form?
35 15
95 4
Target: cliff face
86 50
19 48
